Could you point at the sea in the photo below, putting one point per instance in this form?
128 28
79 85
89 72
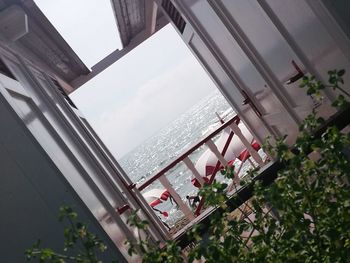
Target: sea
170 142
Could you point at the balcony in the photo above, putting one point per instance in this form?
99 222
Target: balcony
230 144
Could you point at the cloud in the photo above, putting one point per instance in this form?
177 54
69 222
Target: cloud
156 103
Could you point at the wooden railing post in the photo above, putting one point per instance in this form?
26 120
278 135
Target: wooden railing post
183 207
156 225
234 127
187 153
219 154
215 151
193 169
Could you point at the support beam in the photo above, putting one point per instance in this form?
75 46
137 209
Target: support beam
151 16
116 55
254 56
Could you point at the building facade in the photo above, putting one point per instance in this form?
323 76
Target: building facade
255 51
258 51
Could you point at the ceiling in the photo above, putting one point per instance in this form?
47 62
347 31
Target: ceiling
44 45
137 17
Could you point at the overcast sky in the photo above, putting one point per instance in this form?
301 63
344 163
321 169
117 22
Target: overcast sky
140 93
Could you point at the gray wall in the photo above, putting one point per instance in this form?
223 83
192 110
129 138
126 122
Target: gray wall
31 191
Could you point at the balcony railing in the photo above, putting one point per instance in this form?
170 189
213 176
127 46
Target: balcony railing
233 126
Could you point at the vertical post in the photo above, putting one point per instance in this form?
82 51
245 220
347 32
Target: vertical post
234 127
193 169
257 60
183 207
215 151
223 63
293 44
156 225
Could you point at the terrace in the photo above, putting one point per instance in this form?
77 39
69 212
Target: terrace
165 177
239 196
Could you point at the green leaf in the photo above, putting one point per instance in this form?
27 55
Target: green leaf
310 91
332 79
341 72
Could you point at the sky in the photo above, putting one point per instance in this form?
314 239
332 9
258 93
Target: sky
143 91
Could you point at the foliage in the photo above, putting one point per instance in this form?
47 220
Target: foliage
77 238
314 87
151 252
303 217
214 194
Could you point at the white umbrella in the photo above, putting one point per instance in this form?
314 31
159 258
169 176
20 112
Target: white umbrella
207 161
